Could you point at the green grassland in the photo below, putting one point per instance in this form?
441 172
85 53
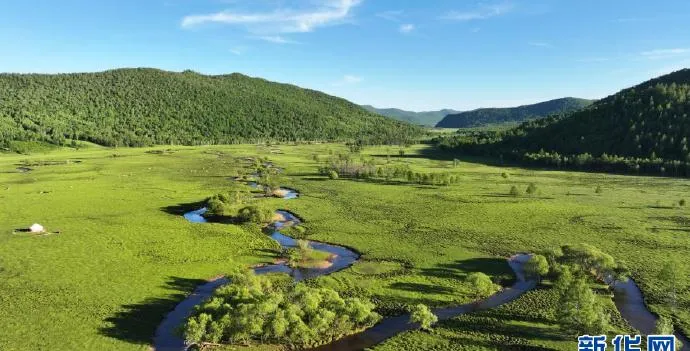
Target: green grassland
124 256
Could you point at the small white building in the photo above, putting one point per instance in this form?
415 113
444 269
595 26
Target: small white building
37 228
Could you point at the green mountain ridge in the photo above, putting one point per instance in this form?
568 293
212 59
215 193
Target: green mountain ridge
485 116
642 128
426 118
144 106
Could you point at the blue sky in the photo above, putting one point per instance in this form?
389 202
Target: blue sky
411 54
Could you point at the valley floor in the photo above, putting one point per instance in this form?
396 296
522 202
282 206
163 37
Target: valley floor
124 256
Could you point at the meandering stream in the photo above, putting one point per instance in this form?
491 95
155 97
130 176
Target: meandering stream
628 296
630 302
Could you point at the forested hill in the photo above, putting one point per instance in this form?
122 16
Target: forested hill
643 128
485 116
136 107
426 118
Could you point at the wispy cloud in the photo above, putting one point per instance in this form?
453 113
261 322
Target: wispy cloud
593 59
481 12
348 79
540 44
391 15
237 51
276 39
632 19
670 68
407 28
665 53
328 12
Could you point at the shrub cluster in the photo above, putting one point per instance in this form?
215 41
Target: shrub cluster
257 308
346 166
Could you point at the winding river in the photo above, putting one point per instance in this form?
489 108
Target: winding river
630 302
628 297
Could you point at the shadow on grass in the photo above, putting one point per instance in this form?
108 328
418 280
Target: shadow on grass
497 268
425 288
499 195
136 323
502 329
267 253
507 345
315 179
181 209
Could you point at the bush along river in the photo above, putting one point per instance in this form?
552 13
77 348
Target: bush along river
628 297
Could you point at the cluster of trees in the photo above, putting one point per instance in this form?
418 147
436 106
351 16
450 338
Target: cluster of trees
236 204
643 129
138 107
486 116
343 165
573 267
273 310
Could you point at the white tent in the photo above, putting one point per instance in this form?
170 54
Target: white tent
37 228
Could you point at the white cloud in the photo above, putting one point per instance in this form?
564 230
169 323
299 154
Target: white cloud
475 30
481 12
541 44
670 68
237 51
407 28
593 59
664 53
276 39
348 79
392 15
281 20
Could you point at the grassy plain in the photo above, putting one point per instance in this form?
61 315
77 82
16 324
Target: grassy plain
124 256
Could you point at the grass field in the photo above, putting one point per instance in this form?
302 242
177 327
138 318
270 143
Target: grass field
123 257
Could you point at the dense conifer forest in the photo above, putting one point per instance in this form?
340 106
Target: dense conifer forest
643 129
137 107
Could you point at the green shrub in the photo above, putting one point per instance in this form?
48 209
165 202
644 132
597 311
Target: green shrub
505 175
422 314
537 266
531 189
483 286
681 203
255 214
333 174
514 191
599 189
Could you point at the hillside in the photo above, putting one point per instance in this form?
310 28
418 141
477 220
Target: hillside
427 118
485 116
135 107
643 128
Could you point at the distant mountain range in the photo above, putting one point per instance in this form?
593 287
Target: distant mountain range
143 106
642 129
649 120
486 116
428 118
